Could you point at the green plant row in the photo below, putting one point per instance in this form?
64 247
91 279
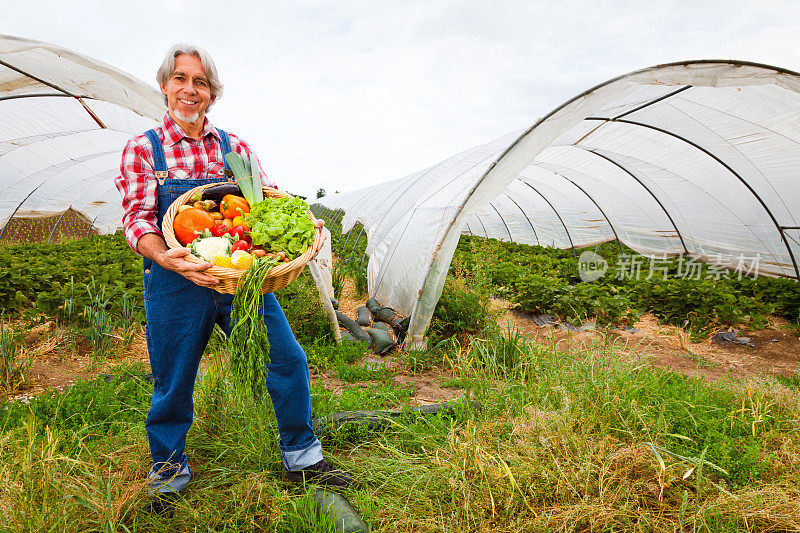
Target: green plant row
547 280
96 282
49 275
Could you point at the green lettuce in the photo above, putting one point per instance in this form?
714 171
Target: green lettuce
281 224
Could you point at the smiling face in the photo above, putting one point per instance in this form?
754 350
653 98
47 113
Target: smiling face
188 91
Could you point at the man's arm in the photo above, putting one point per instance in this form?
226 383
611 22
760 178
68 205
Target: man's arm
153 247
136 183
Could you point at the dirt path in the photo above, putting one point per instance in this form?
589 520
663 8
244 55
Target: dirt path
775 350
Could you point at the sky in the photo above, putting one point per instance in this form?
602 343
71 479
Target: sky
342 95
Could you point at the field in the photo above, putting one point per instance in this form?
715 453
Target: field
624 416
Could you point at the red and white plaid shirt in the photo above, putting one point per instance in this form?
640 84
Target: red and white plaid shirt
187 158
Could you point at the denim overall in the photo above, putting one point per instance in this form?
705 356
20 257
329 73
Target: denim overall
180 318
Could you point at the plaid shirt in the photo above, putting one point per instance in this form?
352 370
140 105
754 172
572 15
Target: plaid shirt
187 158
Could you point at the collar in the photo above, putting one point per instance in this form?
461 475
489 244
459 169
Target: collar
174 133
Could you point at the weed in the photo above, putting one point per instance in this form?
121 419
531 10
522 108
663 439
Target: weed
462 308
304 311
419 360
337 279
302 517
130 318
360 372
15 364
324 356
102 326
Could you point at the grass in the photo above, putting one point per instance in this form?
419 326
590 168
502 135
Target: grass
587 439
15 363
574 441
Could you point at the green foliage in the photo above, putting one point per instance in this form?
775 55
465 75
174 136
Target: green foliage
88 410
702 304
636 404
385 395
131 318
418 360
302 517
101 324
322 356
686 293
337 279
791 381
462 308
15 366
360 372
51 274
575 302
349 249
304 311
248 342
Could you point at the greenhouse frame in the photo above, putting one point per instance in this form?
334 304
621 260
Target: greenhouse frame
64 120
695 158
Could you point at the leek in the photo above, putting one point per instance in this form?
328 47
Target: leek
243 177
258 191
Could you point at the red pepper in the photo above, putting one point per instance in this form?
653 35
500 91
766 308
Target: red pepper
240 245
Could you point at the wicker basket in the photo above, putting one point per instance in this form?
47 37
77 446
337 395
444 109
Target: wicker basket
278 277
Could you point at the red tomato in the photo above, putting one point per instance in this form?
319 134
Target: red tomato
240 245
238 231
219 230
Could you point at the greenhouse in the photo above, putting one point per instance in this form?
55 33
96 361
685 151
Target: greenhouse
694 158
64 120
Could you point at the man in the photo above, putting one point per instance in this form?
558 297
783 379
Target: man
185 151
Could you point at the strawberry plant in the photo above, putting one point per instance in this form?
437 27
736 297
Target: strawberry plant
678 291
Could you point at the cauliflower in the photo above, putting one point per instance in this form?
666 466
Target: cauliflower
210 247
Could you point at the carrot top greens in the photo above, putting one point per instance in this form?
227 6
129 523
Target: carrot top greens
248 341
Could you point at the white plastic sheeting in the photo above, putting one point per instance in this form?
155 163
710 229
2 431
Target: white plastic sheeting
698 158
64 120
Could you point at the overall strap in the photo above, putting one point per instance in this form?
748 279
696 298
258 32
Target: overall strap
159 160
225 144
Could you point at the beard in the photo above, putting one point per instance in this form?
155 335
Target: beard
189 119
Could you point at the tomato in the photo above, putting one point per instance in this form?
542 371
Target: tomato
233 206
239 231
219 230
189 222
240 245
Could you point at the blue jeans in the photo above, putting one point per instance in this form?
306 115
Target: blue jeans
180 319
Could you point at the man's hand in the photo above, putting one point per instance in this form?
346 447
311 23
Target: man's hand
174 260
319 224
153 247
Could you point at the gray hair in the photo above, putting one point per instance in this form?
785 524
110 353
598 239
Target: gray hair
168 67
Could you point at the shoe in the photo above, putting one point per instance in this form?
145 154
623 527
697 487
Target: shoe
162 504
320 473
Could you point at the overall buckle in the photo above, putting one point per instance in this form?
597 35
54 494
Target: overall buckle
161 175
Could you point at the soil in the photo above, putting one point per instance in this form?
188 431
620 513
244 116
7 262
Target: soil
59 359
775 350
